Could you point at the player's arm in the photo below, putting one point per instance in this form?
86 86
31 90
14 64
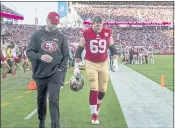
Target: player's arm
25 53
79 50
112 48
113 51
13 52
78 53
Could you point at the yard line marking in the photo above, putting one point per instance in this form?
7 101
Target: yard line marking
18 97
31 114
5 104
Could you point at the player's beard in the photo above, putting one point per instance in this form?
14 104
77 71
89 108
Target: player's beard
97 31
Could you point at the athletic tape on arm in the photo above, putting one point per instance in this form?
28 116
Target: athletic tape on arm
78 52
113 49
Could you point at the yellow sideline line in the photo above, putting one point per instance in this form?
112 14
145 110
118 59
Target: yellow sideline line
5 104
18 97
26 92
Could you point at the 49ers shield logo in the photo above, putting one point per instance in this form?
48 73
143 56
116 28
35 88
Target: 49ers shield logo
49 46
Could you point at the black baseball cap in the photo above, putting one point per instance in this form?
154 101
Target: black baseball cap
97 19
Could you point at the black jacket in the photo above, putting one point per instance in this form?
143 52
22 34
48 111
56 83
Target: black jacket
51 43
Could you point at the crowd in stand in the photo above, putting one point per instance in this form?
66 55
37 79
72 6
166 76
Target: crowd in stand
147 37
72 34
147 3
126 14
131 42
158 38
18 34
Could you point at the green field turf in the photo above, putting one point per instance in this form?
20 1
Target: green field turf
17 102
163 66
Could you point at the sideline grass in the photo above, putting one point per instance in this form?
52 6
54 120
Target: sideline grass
163 66
74 107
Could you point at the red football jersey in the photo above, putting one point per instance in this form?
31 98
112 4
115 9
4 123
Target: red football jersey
96 44
3 55
3 59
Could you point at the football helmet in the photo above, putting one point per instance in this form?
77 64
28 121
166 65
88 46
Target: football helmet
76 82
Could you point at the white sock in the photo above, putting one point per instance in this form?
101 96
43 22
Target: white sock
115 61
77 65
93 109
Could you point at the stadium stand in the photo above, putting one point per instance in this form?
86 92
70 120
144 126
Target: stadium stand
147 3
126 14
160 38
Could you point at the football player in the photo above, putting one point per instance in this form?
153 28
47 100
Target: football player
5 66
14 60
96 40
140 59
151 52
25 59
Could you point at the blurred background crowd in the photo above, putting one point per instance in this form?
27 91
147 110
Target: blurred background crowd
157 38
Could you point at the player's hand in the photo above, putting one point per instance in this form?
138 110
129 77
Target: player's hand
46 58
76 69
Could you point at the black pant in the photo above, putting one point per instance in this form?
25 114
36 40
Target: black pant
111 63
146 59
10 64
63 76
130 59
52 86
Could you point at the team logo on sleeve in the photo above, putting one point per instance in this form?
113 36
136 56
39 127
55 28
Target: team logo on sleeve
49 46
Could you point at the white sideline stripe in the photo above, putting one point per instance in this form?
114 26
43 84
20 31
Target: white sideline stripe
31 114
35 111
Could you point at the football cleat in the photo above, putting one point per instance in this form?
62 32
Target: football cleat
95 119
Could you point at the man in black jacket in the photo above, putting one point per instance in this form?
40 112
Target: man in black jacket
48 52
